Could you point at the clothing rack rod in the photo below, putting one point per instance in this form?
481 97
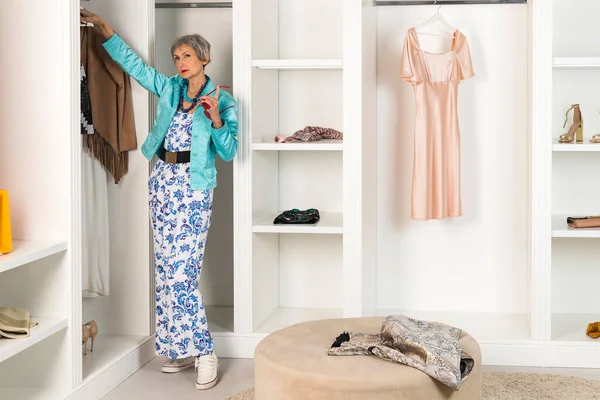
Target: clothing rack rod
195 5
443 3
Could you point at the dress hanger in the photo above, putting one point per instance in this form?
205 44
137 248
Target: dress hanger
436 17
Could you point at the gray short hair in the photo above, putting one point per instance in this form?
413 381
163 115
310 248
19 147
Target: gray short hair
196 42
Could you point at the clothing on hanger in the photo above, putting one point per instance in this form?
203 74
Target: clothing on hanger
112 107
95 257
87 125
436 166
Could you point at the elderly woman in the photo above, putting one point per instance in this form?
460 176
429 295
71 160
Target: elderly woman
195 120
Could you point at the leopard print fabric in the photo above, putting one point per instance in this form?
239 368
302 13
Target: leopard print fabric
430 347
311 134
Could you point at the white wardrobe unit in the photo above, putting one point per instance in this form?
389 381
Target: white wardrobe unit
520 283
574 71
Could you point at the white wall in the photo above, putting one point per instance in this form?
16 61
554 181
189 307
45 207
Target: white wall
476 262
216 283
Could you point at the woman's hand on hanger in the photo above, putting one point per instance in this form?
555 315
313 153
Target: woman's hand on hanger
99 22
213 103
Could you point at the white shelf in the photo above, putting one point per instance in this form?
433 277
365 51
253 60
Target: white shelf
320 145
284 317
108 351
47 326
572 327
27 251
220 319
330 223
489 327
298 64
30 394
560 229
585 146
576 62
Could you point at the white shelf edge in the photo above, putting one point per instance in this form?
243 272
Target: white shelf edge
330 223
575 62
298 64
28 251
47 326
585 146
321 145
560 229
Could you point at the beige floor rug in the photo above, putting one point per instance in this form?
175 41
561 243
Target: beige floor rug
519 386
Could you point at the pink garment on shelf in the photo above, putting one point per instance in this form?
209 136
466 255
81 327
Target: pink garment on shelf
310 134
436 165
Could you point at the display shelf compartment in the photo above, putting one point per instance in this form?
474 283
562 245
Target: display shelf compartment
576 62
585 146
484 327
47 326
108 351
220 319
560 229
299 64
330 223
30 393
28 251
572 327
320 145
284 317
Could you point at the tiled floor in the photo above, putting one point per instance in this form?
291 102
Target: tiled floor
236 375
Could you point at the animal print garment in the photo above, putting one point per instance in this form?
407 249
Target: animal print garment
311 134
428 346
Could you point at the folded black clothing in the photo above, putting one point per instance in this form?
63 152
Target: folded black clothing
296 216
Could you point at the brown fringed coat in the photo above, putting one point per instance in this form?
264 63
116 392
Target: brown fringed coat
112 106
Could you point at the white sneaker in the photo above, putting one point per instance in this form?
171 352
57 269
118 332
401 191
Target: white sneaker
178 365
207 367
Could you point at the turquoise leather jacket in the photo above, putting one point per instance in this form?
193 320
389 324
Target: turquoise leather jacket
206 139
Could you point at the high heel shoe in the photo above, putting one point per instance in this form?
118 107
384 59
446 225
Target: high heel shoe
89 330
576 130
85 336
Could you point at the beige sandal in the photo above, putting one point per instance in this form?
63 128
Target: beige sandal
595 138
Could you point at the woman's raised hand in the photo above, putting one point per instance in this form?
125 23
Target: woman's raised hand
86 16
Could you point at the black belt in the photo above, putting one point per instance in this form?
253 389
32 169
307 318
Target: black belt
174 157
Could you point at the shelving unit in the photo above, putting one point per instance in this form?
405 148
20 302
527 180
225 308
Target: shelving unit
576 63
28 251
585 146
298 64
573 271
47 326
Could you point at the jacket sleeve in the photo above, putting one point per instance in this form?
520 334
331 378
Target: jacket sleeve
133 65
225 138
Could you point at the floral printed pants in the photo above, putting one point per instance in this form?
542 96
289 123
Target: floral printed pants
180 218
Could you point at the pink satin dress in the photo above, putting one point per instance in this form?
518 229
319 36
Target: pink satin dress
436 165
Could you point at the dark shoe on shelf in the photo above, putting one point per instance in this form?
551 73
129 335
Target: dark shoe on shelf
296 216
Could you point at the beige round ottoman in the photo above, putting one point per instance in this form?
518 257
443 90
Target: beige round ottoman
292 364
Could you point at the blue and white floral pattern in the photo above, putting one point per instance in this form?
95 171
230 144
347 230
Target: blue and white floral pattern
180 218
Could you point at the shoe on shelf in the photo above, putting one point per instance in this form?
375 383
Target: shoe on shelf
207 367
575 132
178 365
88 330
595 138
593 330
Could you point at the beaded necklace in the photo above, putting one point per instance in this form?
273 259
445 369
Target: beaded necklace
194 101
